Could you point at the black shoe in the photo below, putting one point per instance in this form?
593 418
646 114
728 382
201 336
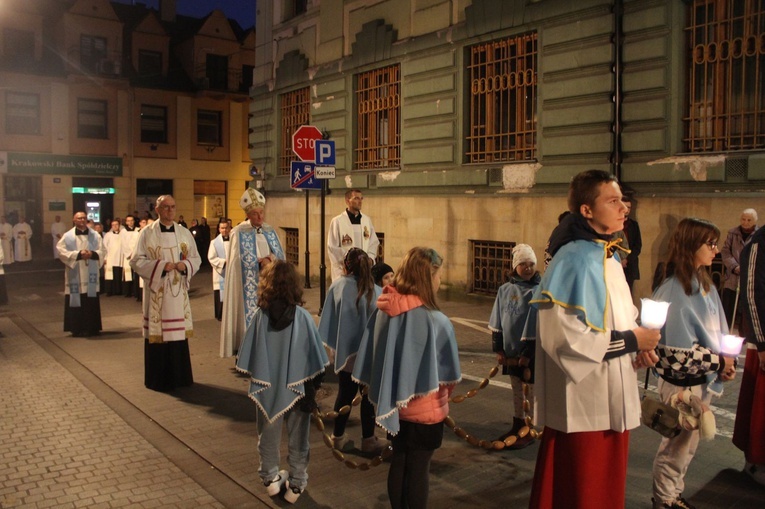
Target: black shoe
679 503
522 443
682 503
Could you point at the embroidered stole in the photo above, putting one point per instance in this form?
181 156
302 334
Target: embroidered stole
169 308
70 239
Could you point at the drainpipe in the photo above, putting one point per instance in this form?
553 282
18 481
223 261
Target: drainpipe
618 41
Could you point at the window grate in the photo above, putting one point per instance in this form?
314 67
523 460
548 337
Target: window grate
491 265
726 58
295 109
502 78
378 119
381 248
292 245
736 169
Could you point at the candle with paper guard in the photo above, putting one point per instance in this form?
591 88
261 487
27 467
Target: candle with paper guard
653 313
731 345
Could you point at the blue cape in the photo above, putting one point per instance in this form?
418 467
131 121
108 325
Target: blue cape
342 321
280 362
692 319
404 356
512 315
575 279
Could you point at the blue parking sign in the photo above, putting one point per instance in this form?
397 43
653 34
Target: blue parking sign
325 152
302 177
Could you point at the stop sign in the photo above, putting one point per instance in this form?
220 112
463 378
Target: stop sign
304 140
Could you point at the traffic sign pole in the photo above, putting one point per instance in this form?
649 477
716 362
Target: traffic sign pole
322 267
307 248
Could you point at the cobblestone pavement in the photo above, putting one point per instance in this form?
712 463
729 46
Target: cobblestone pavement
78 423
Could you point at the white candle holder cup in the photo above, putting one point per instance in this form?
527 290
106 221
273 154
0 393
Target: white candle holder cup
653 314
730 345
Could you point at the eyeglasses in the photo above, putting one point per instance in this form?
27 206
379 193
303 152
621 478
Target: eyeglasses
712 244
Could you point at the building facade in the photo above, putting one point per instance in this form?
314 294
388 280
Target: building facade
105 106
463 121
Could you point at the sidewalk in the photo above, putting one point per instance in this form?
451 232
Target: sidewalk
80 429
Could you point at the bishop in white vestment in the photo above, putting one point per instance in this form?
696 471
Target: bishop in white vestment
253 245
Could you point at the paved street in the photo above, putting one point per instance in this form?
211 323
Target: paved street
80 430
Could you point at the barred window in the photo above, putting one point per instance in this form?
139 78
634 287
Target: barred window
153 124
502 84
378 119
726 62
295 110
209 128
491 265
22 113
92 119
292 245
380 258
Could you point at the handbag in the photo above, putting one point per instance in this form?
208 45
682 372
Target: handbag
660 417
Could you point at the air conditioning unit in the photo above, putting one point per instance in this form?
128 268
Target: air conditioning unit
109 67
203 83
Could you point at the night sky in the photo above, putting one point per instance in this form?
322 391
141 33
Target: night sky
241 10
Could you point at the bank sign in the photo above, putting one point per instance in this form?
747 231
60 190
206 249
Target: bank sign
21 163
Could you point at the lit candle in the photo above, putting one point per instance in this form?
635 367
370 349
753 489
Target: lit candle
731 345
653 313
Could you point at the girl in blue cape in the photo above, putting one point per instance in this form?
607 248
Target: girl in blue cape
408 359
688 353
350 301
283 354
512 321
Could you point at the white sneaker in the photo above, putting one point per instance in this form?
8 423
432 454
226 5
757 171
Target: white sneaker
756 472
274 486
292 493
342 443
373 445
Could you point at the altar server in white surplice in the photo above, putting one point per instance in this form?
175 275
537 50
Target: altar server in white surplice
6 234
129 281
216 255
22 232
57 230
114 241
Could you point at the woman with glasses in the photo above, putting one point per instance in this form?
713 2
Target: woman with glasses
689 349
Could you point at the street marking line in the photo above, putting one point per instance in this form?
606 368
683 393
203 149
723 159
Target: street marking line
469 323
504 385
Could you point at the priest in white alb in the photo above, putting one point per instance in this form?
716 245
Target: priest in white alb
82 251
166 258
